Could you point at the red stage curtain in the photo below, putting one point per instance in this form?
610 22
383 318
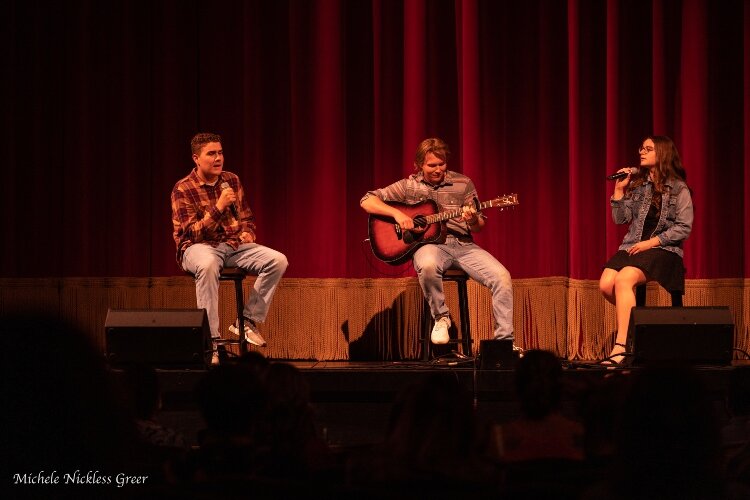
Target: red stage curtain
319 101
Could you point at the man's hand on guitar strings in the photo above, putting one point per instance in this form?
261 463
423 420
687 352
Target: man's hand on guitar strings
404 221
469 215
408 224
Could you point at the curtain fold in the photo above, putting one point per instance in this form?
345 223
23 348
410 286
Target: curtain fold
320 101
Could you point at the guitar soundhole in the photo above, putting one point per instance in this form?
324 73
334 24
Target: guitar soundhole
409 237
420 223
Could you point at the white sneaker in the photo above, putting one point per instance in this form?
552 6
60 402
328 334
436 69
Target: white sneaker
252 336
439 333
214 354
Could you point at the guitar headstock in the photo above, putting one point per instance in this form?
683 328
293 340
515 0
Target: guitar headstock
506 200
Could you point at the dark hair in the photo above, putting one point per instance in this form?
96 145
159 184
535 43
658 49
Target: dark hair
435 146
668 163
201 139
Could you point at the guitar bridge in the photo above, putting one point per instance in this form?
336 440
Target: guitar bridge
399 234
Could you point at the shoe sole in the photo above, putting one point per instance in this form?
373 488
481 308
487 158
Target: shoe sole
264 344
235 331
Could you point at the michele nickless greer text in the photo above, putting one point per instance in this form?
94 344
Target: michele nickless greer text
93 478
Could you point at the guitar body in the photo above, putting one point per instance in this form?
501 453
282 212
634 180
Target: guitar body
393 246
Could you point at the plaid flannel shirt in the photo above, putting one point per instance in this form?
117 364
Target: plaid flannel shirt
196 219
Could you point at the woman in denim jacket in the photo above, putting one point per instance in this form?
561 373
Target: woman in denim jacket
656 202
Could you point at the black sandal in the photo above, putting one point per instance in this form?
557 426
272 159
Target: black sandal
610 363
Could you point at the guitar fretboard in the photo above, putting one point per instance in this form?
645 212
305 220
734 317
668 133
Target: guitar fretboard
439 217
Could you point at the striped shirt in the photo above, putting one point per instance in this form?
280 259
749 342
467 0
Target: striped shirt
195 218
456 191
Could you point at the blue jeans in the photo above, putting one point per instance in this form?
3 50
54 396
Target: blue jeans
205 262
431 260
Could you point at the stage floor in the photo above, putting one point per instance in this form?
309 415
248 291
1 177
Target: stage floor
352 400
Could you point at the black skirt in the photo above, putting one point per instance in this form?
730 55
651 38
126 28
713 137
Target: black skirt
663 266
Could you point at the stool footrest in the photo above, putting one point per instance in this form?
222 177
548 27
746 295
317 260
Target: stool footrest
453 341
227 341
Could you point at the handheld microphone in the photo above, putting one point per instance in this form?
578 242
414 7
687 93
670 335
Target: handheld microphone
622 175
235 214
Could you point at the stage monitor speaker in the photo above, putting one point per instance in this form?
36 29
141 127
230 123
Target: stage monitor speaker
162 338
694 335
497 355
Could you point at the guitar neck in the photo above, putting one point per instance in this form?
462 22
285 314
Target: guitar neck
439 217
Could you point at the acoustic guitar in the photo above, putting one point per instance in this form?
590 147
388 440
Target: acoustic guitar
395 246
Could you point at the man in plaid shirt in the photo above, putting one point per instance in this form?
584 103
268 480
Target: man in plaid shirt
214 227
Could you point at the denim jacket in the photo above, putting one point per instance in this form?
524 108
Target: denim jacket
675 220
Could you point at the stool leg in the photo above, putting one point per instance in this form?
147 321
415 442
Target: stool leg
427 320
463 305
640 295
240 301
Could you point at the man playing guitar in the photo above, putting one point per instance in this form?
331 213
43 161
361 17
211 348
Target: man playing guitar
445 246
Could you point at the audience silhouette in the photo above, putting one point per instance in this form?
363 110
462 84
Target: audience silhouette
292 447
140 387
260 431
543 432
667 439
735 434
542 451
433 446
600 406
231 398
63 415
649 433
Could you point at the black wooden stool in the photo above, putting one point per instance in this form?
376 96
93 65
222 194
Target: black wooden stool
237 276
640 297
460 278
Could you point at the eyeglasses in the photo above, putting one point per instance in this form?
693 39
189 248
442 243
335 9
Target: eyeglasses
647 149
